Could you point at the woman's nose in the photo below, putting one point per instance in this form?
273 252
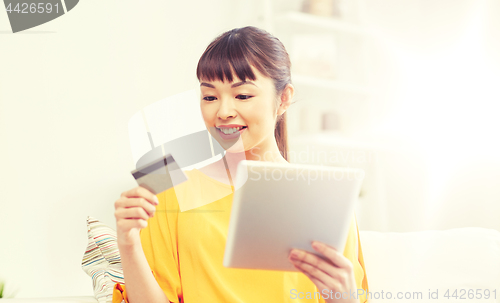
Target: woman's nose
226 109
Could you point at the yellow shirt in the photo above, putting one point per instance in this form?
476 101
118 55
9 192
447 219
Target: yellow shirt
185 252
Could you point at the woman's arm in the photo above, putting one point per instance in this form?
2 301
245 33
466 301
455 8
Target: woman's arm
132 211
139 280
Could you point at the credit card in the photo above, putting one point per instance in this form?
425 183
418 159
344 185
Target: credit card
159 175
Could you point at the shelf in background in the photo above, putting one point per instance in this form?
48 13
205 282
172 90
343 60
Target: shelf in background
380 142
330 84
309 20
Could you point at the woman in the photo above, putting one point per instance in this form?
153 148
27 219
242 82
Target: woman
174 256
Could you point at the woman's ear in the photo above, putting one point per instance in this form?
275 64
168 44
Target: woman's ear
286 99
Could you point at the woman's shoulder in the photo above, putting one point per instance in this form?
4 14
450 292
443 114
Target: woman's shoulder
199 189
214 174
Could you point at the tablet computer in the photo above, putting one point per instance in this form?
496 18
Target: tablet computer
277 207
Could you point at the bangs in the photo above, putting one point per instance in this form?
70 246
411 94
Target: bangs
227 56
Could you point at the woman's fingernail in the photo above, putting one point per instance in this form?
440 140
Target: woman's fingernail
156 200
317 245
295 254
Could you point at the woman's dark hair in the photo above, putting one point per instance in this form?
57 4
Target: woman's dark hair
237 50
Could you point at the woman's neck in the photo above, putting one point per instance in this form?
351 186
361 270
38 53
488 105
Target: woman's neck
231 160
228 165
255 154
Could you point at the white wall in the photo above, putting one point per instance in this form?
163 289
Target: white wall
436 71
67 91
68 88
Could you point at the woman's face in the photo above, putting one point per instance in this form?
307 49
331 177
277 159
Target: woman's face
240 115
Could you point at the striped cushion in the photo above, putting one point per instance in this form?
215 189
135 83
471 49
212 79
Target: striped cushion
101 260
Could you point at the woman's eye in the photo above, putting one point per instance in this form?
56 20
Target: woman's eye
209 98
244 97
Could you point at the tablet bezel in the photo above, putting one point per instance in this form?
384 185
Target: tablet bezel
248 207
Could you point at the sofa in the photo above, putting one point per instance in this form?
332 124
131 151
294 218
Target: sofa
433 263
422 266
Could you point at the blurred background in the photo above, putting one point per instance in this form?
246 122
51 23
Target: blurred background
406 90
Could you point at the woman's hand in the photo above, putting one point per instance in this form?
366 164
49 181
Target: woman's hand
132 210
335 280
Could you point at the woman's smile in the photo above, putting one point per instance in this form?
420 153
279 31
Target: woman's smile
233 108
232 131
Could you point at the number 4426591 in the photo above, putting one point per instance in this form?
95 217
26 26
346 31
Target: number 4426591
471 294
33 8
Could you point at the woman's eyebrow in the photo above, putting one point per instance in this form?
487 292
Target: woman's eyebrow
207 84
243 82
232 86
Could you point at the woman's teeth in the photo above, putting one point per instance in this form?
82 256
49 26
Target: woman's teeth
229 131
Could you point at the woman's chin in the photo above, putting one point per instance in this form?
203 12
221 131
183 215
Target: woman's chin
232 146
236 146
234 150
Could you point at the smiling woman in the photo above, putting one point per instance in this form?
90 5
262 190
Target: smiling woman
247 109
246 88
260 95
